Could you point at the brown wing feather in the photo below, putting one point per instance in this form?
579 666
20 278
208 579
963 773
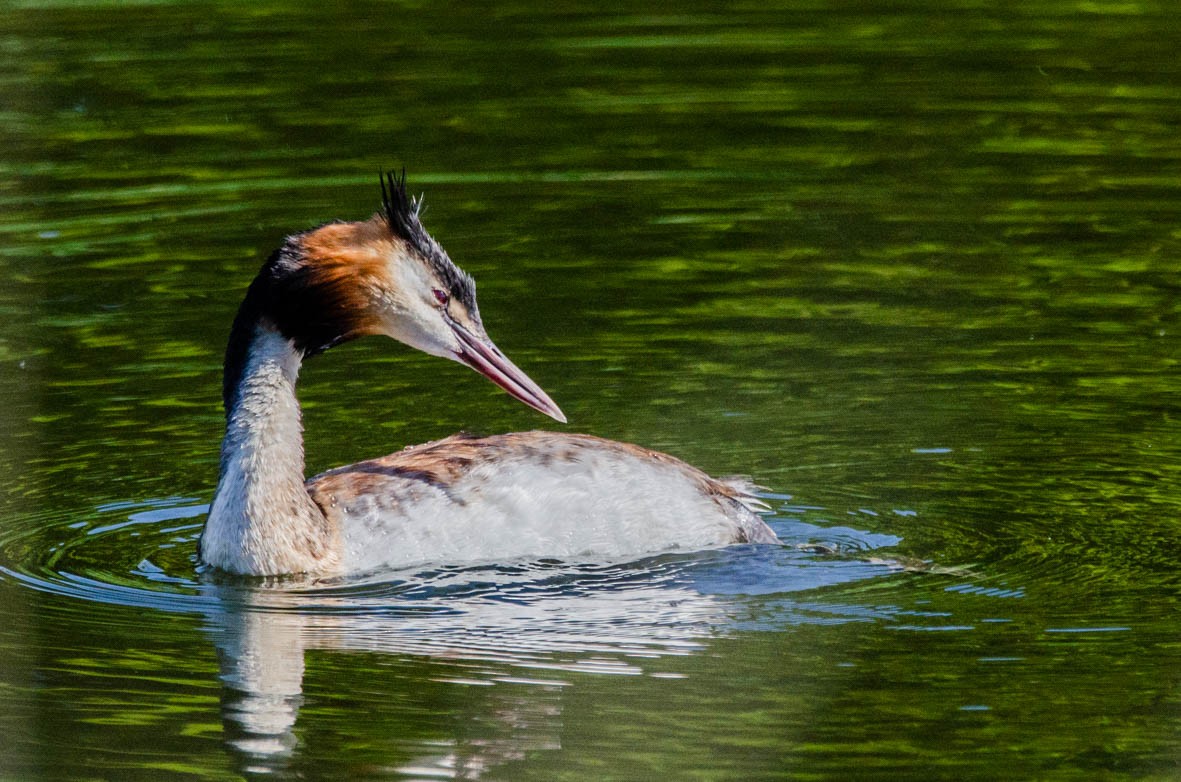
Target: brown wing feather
444 462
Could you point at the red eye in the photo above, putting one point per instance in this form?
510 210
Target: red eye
441 297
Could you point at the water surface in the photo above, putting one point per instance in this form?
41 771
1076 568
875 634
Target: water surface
912 267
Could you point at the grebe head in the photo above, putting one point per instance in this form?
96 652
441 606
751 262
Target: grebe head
385 275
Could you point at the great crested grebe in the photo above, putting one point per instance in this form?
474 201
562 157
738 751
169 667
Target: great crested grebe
461 499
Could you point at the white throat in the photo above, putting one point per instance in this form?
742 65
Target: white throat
262 521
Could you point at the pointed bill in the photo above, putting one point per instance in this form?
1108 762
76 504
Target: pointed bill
481 355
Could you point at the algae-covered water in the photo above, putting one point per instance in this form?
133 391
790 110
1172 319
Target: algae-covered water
911 266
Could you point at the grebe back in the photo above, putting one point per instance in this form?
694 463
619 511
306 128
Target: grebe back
461 499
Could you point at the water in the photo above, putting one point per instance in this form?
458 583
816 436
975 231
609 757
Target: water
911 267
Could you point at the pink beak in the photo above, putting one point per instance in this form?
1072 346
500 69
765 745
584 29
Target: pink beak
480 354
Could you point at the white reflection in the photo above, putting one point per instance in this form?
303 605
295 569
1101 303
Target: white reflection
526 630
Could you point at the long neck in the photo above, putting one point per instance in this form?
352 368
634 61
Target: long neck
262 521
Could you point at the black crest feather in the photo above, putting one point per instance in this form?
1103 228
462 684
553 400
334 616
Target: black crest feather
401 212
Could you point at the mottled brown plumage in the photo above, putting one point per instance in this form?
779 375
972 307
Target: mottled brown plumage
443 464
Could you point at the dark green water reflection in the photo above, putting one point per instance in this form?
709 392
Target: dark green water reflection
912 266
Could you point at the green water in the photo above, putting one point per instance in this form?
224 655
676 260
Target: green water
912 266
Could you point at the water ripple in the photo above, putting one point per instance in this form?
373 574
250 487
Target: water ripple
142 555
545 617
